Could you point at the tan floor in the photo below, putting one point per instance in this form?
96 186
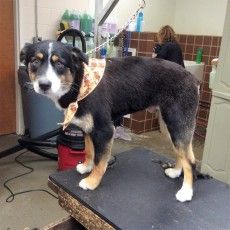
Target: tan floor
37 209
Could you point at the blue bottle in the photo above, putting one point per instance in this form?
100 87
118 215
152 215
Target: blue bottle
140 19
103 52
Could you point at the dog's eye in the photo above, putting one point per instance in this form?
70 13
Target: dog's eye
35 61
59 64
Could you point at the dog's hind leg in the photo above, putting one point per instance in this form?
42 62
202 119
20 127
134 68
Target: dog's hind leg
101 161
88 164
186 191
181 125
177 169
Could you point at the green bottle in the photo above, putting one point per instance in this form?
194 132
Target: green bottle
86 23
65 19
199 55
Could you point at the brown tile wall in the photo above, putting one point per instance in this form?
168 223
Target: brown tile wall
144 42
211 49
142 121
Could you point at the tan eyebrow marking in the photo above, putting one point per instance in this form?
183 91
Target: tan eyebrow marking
31 75
55 58
39 55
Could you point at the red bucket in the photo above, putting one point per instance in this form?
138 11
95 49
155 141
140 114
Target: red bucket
69 158
71 148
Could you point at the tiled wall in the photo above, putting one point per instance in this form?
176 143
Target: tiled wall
142 121
144 42
211 49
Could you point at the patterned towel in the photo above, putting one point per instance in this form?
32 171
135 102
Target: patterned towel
93 73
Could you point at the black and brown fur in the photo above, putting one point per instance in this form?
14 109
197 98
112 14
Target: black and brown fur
129 84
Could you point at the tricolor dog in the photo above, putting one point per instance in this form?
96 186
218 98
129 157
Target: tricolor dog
123 86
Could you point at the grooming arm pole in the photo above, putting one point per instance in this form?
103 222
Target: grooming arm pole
101 14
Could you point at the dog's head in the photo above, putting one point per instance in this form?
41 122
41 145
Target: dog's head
53 67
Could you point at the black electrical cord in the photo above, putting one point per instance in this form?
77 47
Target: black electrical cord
165 164
12 194
112 161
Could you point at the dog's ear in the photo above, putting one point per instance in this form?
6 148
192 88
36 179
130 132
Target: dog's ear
24 53
78 55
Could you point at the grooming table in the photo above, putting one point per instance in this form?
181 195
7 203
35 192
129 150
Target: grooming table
135 194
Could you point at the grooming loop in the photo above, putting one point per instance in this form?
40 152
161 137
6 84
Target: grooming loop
134 16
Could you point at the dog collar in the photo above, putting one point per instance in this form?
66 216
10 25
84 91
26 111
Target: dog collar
93 73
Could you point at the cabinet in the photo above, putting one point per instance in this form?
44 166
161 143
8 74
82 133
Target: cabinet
216 157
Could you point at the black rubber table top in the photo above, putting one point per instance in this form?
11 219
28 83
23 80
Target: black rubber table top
135 194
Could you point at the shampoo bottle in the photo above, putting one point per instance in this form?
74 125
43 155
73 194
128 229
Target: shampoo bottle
140 20
199 56
74 20
65 19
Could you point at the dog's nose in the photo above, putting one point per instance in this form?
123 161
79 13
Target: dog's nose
44 84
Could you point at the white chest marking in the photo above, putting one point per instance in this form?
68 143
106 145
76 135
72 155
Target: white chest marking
85 122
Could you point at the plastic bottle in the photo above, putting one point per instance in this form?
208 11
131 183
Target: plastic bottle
212 75
140 20
90 43
111 50
103 52
111 25
83 22
86 23
199 55
104 30
132 26
93 25
65 19
74 20
89 24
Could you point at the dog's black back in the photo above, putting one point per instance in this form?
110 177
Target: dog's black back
134 83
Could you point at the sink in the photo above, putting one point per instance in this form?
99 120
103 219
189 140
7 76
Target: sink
194 68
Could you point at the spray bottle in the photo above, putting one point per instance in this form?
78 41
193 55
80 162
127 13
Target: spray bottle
140 21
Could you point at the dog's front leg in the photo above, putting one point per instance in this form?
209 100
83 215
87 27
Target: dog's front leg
93 180
88 164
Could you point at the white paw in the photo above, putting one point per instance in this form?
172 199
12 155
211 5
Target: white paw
82 168
83 184
185 193
173 172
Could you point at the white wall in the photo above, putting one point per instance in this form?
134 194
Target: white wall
197 17
156 12
49 15
200 17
